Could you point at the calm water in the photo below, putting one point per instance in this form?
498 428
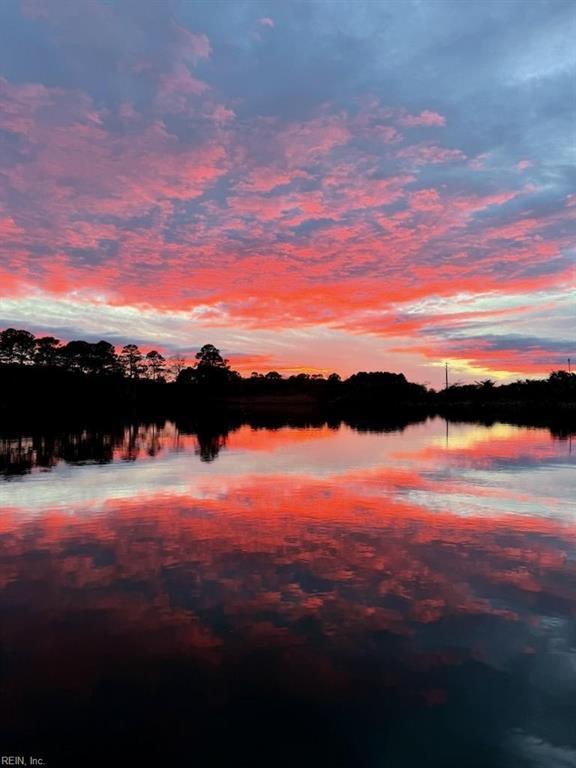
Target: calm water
318 596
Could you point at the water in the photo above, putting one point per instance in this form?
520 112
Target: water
298 596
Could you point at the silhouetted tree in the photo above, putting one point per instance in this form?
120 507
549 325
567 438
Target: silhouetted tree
104 358
75 356
563 384
273 376
211 369
186 376
16 346
176 364
210 357
380 387
84 357
562 378
155 365
46 350
131 361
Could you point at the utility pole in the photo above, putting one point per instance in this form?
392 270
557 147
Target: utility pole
446 370
569 368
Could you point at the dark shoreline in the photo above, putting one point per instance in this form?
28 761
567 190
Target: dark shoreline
36 399
221 417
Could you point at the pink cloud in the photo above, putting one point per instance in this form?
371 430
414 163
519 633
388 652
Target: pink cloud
306 142
265 179
425 118
177 91
430 154
266 21
191 46
221 115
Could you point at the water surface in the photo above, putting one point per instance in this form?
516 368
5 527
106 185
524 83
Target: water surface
298 596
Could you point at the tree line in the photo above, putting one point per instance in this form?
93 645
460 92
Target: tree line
20 347
211 374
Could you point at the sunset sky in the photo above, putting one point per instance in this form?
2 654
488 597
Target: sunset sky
309 185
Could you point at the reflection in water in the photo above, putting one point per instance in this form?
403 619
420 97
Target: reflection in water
316 596
22 454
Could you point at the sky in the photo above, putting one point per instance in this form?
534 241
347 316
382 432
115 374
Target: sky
310 185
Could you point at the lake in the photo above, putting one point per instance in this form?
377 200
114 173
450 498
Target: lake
317 596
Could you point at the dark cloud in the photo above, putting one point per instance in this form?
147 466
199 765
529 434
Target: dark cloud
514 341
